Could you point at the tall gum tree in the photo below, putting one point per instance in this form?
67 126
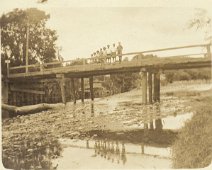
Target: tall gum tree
42 40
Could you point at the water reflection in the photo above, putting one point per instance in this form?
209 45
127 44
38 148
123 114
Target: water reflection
110 150
111 154
151 117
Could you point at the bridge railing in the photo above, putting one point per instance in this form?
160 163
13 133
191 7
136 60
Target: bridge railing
99 61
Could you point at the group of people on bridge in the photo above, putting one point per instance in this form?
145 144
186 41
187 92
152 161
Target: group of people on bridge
108 54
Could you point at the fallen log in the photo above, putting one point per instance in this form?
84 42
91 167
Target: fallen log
30 108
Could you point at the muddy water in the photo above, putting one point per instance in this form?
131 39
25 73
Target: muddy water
107 154
127 111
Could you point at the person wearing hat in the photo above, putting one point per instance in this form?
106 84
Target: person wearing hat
97 56
94 57
119 52
114 52
104 54
101 56
91 60
109 52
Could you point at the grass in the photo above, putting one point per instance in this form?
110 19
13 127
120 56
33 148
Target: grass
193 148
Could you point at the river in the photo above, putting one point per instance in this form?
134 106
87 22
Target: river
109 133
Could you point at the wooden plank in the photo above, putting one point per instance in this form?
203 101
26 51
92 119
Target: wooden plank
62 87
87 70
167 49
27 47
208 51
156 97
82 89
73 90
91 87
19 67
144 87
14 89
150 86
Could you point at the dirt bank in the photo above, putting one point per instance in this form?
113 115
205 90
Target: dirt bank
193 148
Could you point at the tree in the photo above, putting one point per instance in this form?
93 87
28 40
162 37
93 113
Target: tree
202 21
42 40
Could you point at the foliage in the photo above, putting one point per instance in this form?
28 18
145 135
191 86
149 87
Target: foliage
42 1
188 74
193 148
202 21
41 39
119 83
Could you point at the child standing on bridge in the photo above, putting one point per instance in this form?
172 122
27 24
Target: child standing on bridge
97 56
101 56
114 53
119 51
108 54
104 54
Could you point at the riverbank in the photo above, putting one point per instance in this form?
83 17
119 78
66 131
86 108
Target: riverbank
193 148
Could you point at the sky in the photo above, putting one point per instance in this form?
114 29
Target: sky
85 26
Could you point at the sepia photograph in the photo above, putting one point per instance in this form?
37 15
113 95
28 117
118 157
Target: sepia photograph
106 84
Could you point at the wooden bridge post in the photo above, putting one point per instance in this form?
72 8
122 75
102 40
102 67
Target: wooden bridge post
91 87
5 91
208 51
73 90
144 86
144 92
150 97
62 87
156 87
150 86
209 56
82 89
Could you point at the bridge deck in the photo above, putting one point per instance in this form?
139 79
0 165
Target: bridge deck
87 70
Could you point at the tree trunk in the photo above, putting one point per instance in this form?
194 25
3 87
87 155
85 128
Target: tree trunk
31 108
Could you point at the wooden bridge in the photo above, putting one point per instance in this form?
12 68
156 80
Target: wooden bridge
150 69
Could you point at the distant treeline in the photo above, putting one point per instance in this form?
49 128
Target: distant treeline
187 74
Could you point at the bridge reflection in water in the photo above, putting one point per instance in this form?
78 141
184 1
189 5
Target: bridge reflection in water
110 150
112 154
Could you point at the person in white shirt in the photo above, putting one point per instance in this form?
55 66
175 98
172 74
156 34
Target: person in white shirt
97 56
119 51
105 54
108 54
114 52
94 57
101 56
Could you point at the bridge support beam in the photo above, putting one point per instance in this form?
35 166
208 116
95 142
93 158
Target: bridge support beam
5 91
73 90
82 89
156 87
150 86
91 88
144 93
144 86
208 51
209 56
150 97
62 87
